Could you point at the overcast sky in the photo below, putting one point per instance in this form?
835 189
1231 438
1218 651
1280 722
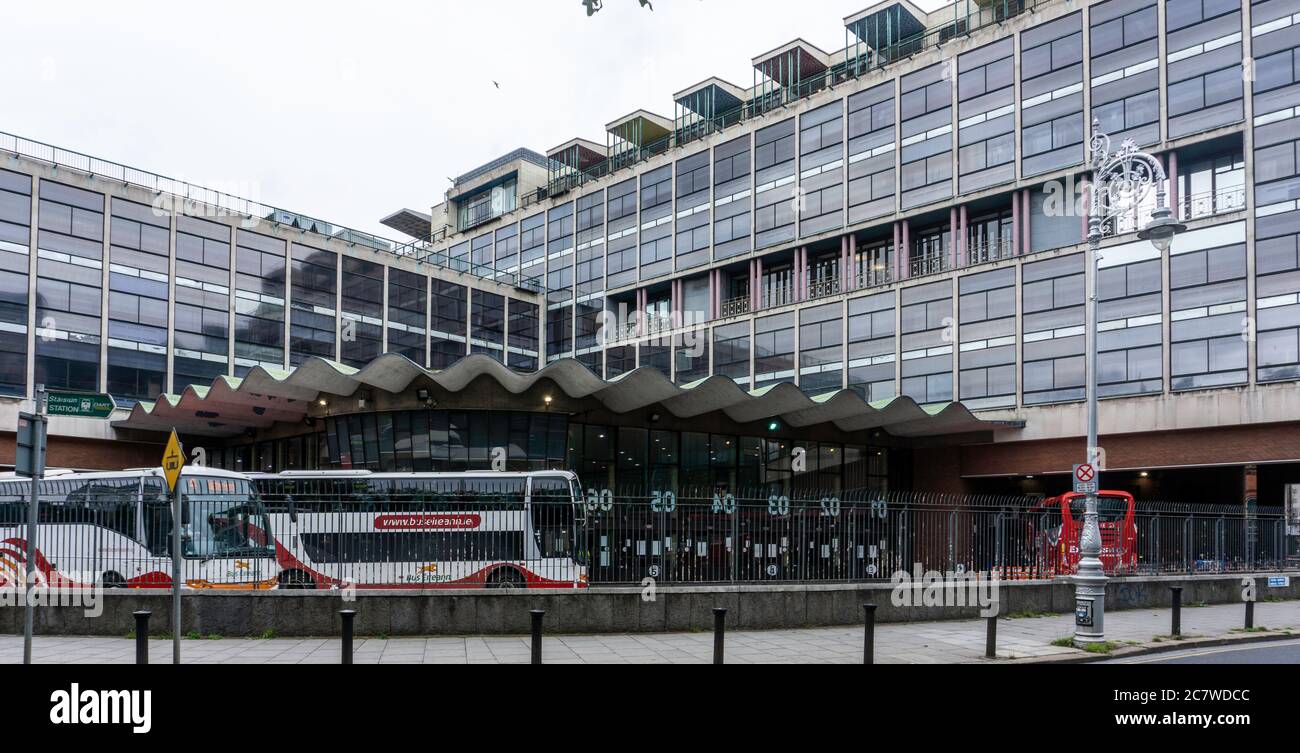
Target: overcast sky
347 111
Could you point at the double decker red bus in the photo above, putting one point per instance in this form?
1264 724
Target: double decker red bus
1057 540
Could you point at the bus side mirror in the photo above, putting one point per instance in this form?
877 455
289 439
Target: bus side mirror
293 509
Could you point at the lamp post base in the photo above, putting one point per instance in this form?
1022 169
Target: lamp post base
1090 605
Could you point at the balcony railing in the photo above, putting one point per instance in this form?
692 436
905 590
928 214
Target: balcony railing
658 324
824 287
734 307
987 251
930 264
775 296
1212 202
870 278
424 253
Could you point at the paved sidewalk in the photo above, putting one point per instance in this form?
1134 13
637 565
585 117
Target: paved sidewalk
1026 638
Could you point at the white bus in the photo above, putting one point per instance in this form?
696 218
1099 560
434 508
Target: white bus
114 530
341 529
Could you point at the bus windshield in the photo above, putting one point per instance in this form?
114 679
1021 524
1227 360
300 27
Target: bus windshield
553 516
1109 509
224 518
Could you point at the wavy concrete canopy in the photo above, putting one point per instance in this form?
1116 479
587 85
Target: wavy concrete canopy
267 396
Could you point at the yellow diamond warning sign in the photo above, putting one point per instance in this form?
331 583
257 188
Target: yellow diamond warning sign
173 459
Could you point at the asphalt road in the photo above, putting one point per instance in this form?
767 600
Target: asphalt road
1274 652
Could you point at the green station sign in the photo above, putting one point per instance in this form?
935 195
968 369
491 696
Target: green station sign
79 405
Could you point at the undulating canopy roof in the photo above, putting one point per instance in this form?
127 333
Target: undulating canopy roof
266 396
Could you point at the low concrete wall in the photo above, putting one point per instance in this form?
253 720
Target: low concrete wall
600 610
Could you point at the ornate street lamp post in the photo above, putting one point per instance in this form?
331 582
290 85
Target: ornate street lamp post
1121 181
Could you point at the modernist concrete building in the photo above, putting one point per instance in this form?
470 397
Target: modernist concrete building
875 251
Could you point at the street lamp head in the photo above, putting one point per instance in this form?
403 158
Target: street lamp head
1162 229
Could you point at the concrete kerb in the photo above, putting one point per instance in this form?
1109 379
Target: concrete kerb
1079 656
597 610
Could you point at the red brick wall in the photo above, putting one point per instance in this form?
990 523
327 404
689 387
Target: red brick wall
1231 445
88 454
938 470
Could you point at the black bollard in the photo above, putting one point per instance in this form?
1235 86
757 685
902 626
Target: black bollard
719 633
142 636
537 615
1250 615
1176 620
348 616
991 639
869 636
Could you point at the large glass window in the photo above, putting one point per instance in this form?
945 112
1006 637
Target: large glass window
362 321
926 159
448 338
1125 70
693 211
821 170
15 250
986 141
775 184
140 240
732 219
1129 360
731 351
1051 95
524 335
487 324
202 328
408 302
1207 271
872 353
821 349
313 315
657 222
986 360
259 302
1052 292
621 229
68 287
774 350
872 150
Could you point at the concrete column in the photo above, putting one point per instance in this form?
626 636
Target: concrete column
1015 223
954 251
844 264
853 264
907 249
963 255
1027 243
713 287
758 284
898 251
805 284
1173 185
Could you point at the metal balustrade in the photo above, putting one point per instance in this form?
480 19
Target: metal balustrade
930 264
1211 203
983 253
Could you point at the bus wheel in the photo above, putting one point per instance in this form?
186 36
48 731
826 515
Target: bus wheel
112 580
505 577
296 580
